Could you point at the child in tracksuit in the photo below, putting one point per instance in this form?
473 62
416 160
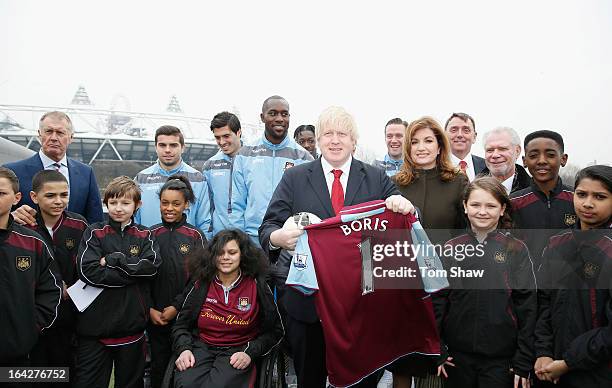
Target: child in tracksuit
486 322
30 293
177 240
573 337
121 258
545 207
61 230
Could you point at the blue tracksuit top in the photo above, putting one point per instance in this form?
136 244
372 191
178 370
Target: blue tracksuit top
152 178
391 166
218 171
257 170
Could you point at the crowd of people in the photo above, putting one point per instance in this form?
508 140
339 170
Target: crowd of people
196 262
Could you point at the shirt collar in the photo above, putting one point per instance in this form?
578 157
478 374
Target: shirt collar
468 159
508 183
170 172
117 226
234 283
389 159
47 161
273 146
346 167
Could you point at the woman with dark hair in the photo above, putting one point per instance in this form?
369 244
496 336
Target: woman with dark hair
435 187
229 318
304 135
573 336
429 179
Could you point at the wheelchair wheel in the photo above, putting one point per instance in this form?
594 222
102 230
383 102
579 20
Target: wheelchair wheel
272 370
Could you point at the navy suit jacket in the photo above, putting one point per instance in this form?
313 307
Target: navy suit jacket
84 193
303 189
479 164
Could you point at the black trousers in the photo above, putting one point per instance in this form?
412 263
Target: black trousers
212 369
477 371
23 361
94 364
308 347
161 351
55 347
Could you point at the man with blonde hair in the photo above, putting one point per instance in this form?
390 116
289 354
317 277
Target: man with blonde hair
321 187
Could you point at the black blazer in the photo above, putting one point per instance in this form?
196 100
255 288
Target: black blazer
479 164
84 193
303 189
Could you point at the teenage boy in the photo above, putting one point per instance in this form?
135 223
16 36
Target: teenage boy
121 258
547 204
29 292
62 231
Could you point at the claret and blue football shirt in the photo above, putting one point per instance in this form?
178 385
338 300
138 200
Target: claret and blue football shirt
364 330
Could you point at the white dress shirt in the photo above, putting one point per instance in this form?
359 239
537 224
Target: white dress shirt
329 175
329 179
48 164
508 183
471 173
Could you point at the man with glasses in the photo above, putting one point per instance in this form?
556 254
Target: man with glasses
55 134
461 131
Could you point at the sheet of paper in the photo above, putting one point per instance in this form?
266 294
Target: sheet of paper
83 295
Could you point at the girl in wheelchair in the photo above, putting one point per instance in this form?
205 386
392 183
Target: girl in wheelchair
229 319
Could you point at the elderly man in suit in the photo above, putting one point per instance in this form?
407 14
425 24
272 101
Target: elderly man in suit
321 187
461 131
502 149
55 134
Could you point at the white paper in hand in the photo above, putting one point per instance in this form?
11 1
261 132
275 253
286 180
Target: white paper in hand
82 294
299 221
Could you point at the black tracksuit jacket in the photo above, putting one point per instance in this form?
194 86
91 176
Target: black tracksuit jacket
29 292
493 315
575 306
177 243
532 209
67 233
132 259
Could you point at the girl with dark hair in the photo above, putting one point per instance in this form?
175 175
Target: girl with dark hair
176 239
486 322
229 318
573 337
304 135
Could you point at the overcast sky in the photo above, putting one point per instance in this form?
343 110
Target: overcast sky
525 64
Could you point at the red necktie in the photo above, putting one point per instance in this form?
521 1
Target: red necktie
337 194
463 166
